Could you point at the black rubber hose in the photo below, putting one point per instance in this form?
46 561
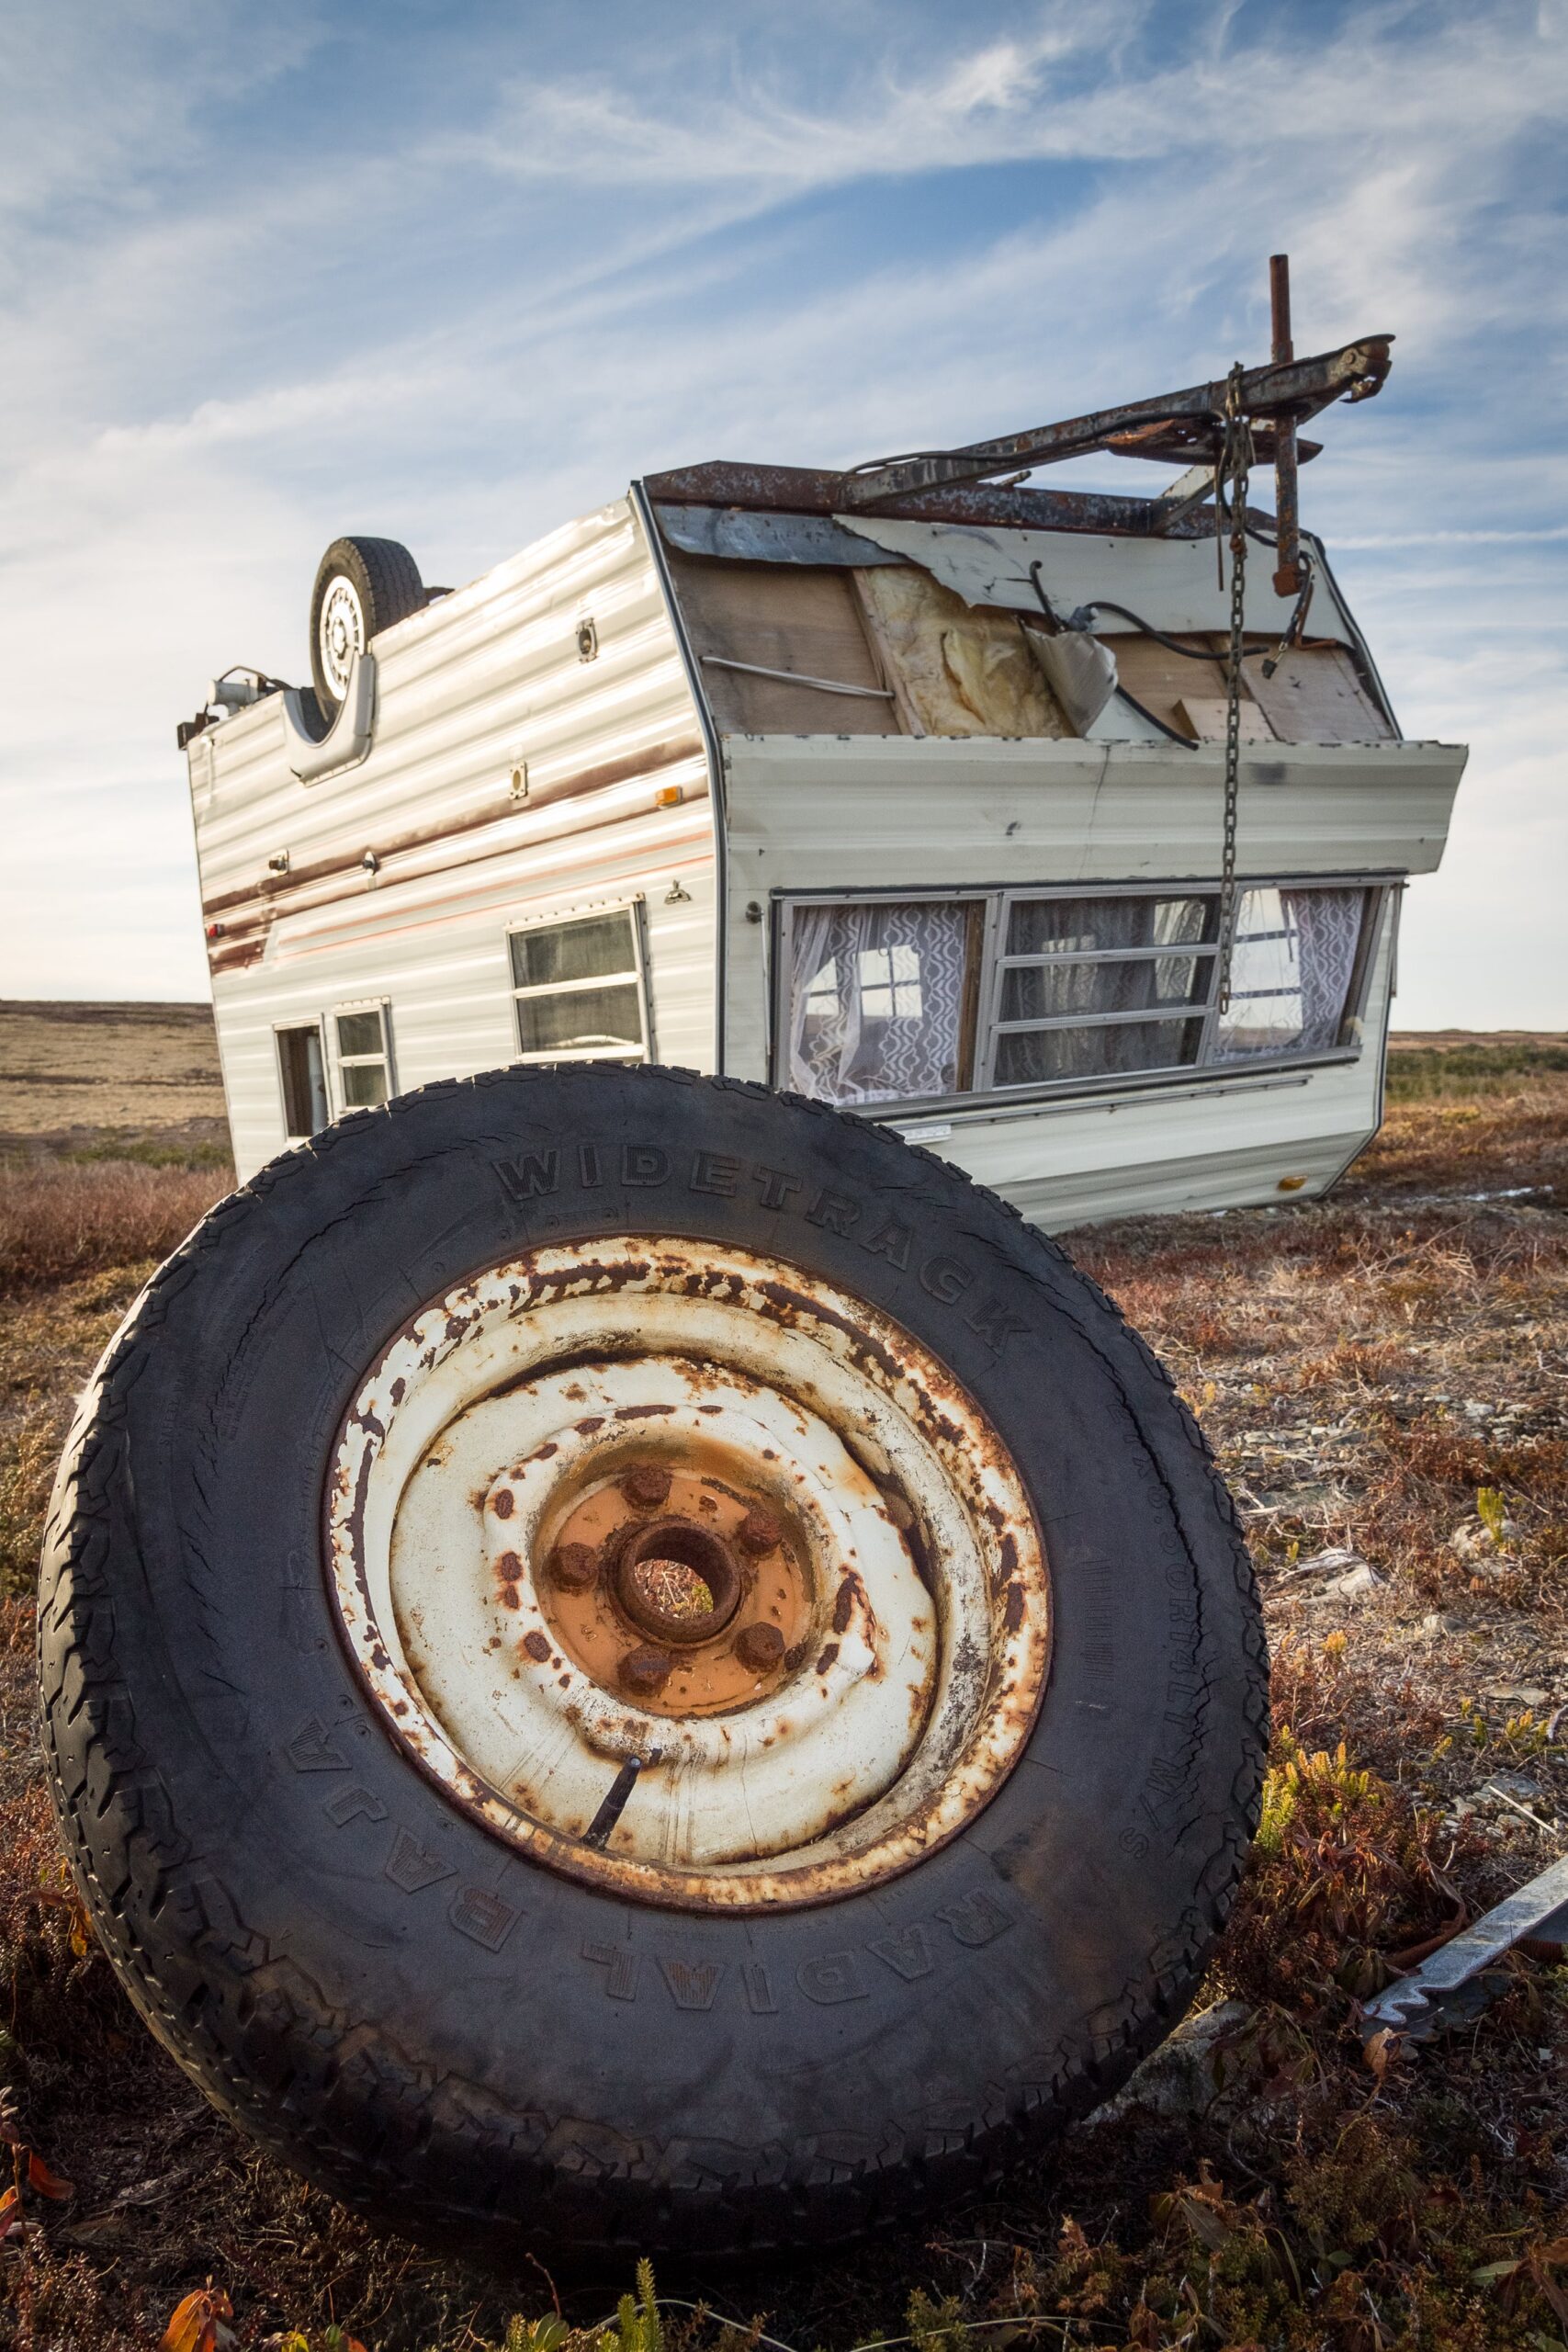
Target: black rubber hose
1131 700
1193 653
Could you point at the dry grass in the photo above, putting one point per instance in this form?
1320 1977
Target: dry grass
77 1241
59 1218
1367 1370
68 1070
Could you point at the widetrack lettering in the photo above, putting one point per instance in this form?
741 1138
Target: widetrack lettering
536 1176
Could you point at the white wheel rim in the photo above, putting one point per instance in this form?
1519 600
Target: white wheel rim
340 632
516 1415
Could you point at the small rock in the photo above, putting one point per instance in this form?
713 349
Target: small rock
1476 1410
1504 1785
1182 2077
1335 1561
1350 1578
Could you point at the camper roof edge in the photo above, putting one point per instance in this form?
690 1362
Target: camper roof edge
812 489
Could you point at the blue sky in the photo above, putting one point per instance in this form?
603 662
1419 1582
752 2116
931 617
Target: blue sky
452 274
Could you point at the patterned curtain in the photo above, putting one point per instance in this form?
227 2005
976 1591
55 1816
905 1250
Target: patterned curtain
1328 927
1296 957
876 997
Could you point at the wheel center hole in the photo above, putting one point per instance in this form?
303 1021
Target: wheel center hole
677 1579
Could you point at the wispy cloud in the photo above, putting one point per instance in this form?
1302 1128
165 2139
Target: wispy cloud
482 285
1078 88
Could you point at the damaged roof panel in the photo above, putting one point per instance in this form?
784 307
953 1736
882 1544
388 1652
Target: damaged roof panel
1174 582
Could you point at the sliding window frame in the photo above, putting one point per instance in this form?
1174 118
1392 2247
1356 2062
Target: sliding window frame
993 1027
996 901
340 1062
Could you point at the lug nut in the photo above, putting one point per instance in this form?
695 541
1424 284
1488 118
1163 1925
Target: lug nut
646 1488
760 1647
573 1566
759 1533
644 1673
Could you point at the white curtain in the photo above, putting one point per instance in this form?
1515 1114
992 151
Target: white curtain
876 996
1329 927
1290 972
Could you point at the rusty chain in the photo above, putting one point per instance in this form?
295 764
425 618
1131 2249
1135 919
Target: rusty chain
1231 473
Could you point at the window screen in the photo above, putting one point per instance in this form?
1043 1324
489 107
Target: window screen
364 1057
580 991
302 1075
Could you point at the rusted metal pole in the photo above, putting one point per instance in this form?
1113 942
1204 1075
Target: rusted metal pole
1287 496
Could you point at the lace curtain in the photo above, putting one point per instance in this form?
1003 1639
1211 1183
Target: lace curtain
1328 925
876 996
1295 955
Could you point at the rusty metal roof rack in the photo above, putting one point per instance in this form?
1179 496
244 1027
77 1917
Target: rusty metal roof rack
959 485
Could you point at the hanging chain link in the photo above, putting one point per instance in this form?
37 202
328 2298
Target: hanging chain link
1231 484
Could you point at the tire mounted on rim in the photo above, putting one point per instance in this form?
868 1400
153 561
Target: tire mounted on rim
362 587
630 1661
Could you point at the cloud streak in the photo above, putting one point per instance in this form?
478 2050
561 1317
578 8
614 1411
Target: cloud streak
484 286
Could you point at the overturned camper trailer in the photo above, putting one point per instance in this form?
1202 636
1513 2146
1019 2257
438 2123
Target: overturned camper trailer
895 788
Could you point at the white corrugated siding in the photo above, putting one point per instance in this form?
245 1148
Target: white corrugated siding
490 675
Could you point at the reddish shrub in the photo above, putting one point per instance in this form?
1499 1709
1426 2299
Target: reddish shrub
58 1219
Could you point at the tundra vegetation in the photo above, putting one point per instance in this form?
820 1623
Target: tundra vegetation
1383 1380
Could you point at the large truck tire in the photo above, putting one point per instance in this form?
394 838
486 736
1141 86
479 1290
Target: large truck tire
362 586
630 1662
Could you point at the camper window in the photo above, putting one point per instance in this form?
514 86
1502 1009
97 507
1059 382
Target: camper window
877 1010
1290 971
579 988
364 1055
1089 986
890 1001
301 1072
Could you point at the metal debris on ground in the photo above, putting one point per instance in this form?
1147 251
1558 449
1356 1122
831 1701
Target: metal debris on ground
1453 1984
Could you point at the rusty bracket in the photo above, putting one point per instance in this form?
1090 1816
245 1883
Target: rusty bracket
1170 441
1446 1988
1293 391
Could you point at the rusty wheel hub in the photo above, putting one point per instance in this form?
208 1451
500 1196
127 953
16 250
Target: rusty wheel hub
688 1574
680 1608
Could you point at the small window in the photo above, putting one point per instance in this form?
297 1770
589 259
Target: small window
302 1074
1292 969
1086 988
581 990
363 1055
879 1000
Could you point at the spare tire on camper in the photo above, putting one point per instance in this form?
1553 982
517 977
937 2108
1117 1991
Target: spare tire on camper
362 587
629 1661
